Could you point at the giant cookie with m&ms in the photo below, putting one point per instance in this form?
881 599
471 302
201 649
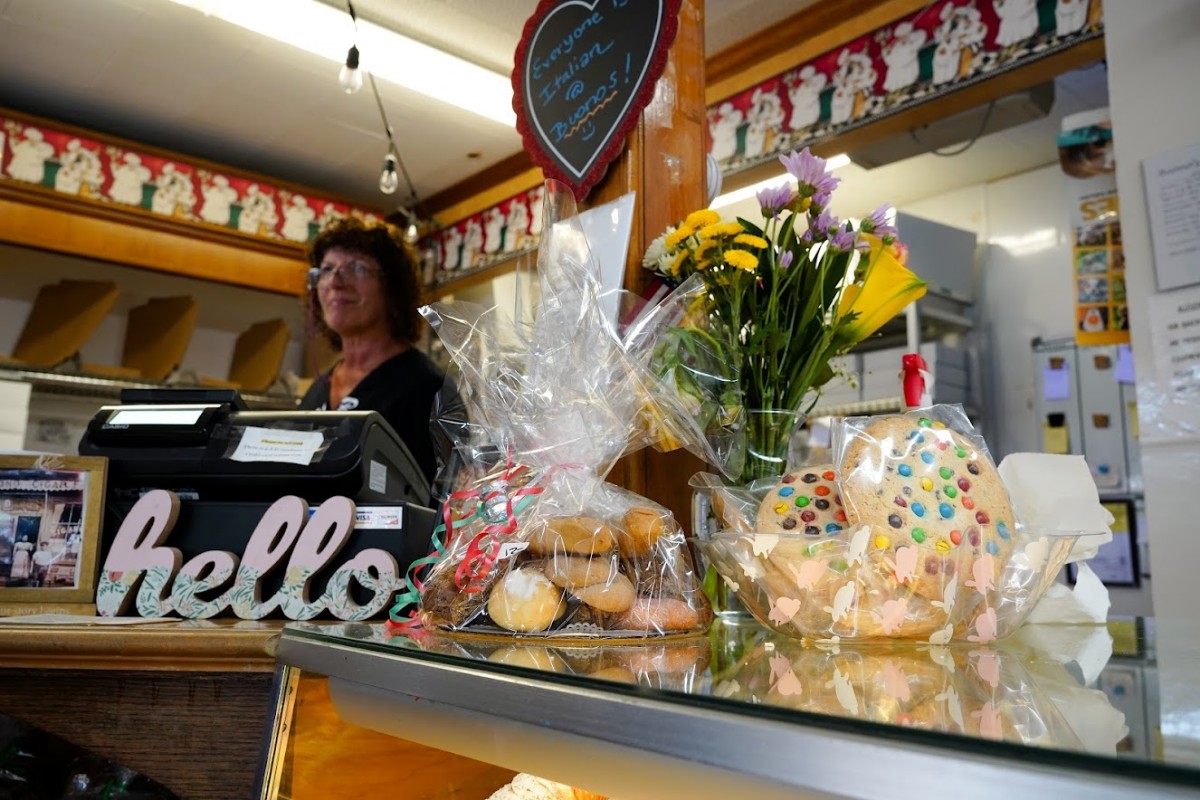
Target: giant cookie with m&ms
934 501
804 501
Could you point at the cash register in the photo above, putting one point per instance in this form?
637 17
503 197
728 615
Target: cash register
228 464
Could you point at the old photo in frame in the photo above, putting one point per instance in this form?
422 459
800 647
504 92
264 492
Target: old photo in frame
51 522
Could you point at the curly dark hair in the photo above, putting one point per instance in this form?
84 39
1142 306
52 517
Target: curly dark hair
399 264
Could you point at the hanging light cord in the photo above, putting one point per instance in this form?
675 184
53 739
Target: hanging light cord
387 126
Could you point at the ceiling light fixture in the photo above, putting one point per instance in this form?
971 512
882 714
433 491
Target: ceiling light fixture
389 181
350 76
312 25
737 195
389 178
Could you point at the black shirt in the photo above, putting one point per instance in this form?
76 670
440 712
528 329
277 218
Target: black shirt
403 390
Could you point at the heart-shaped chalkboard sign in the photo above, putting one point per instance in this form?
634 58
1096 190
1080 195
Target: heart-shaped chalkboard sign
584 71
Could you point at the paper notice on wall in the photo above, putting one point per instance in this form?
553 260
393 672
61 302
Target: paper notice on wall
1125 372
14 414
1175 331
268 444
1055 439
1056 383
1173 200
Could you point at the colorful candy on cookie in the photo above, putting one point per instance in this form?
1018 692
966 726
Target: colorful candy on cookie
934 500
804 501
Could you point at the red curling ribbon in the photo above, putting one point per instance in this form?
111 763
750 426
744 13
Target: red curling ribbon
482 550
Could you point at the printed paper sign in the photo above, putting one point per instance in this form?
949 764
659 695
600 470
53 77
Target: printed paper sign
1173 198
268 444
1175 329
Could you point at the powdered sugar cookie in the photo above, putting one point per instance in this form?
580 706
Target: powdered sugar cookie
804 501
934 501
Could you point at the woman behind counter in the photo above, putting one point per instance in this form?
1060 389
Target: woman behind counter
363 296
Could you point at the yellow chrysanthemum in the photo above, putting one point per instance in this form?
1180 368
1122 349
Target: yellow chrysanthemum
703 265
720 229
749 239
679 234
678 262
742 260
705 216
705 246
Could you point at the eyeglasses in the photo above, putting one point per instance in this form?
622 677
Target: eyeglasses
352 271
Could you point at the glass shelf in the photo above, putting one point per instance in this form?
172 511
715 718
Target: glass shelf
99 388
748 712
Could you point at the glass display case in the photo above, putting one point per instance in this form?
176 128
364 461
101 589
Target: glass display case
1063 711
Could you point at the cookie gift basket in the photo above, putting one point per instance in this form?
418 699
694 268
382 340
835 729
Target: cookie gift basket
533 541
909 533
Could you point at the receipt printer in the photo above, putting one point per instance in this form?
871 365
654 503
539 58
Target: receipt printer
228 464
204 445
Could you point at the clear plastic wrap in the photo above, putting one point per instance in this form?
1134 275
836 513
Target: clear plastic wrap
910 533
693 369
536 543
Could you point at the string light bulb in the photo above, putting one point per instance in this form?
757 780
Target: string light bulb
350 76
411 233
389 181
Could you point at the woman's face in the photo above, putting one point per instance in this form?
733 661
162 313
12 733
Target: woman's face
350 289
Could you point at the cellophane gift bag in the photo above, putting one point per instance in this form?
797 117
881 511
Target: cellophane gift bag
533 542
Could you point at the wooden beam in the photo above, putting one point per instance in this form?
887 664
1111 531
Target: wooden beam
485 275
518 167
663 162
135 241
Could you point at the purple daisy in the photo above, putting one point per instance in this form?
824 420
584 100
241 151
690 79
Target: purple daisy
877 223
809 172
823 225
774 199
842 241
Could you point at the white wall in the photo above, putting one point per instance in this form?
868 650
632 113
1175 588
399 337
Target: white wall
1024 285
1153 62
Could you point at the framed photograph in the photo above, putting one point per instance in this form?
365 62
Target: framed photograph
51 519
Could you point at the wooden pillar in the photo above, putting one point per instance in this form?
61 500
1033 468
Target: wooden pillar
664 163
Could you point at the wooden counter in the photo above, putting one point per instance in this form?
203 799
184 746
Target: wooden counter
189 704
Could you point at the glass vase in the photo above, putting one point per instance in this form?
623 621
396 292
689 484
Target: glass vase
773 444
769 442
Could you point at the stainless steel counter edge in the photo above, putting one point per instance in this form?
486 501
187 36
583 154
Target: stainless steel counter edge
791 755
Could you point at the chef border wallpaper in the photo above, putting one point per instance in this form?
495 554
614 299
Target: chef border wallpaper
93 170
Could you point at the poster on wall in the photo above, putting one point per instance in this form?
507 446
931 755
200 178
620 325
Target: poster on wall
1085 150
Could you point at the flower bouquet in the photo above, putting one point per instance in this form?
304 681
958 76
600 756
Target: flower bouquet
778 301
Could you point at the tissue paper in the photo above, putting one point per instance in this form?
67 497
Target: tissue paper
1057 492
